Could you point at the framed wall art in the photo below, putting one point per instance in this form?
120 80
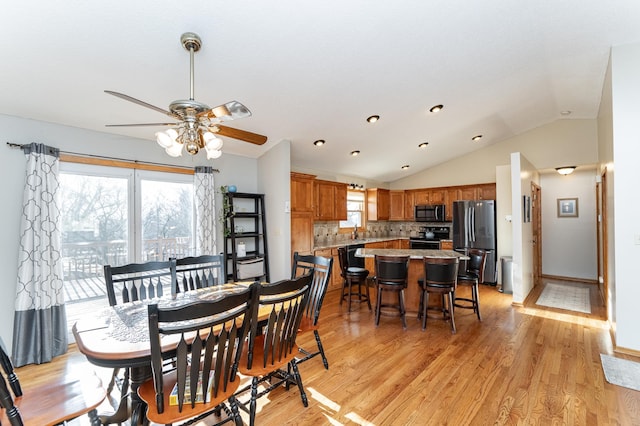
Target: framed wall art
567 207
526 208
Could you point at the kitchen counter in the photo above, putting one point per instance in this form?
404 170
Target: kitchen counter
416 271
343 243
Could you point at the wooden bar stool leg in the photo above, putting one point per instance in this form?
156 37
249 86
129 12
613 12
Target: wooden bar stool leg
476 298
366 286
402 309
453 323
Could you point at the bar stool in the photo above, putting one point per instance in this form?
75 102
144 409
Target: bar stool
471 278
391 276
352 276
440 276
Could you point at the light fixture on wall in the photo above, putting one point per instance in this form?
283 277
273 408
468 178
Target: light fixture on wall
565 170
355 186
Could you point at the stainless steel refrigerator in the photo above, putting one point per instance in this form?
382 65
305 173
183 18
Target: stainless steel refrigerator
474 226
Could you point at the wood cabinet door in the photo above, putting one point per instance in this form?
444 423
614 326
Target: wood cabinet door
396 205
325 203
468 193
487 191
301 192
421 196
409 205
377 204
302 232
451 195
340 200
436 196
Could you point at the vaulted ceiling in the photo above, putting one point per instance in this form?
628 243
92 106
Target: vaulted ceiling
310 71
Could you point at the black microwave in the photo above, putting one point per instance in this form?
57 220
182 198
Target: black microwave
430 213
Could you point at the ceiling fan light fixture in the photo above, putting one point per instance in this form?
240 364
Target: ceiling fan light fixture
212 154
174 150
167 138
213 144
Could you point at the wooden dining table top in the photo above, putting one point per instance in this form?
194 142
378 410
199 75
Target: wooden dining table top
118 336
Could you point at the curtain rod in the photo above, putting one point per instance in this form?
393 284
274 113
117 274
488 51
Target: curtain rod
100 157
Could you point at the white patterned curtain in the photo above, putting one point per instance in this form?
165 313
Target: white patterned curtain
205 211
40 320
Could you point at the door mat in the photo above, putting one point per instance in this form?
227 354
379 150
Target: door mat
621 372
567 297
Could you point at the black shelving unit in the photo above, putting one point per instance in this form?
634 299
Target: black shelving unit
246 224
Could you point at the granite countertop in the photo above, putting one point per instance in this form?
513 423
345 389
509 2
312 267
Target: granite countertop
358 241
412 253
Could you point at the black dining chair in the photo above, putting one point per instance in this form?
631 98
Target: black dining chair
270 357
440 277
321 268
471 277
391 276
136 282
199 272
54 400
207 338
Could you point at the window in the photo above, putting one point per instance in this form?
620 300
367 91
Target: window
355 209
117 216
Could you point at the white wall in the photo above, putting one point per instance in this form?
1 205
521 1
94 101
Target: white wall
625 68
522 174
570 141
274 173
569 244
605 167
504 227
241 171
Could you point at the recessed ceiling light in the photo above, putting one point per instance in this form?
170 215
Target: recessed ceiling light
423 145
476 138
354 153
373 118
436 108
319 142
566 112
405 167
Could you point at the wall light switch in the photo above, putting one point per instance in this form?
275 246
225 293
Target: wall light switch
287 206
636 239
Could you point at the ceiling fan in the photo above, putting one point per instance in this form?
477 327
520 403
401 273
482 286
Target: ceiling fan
197 124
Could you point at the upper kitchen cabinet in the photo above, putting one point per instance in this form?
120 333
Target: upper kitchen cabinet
487 191
451 194
397 205
421 196
436 196
409 204
330 200
378 204
302 192
469 192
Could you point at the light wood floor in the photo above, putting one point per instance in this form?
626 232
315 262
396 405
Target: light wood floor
520 365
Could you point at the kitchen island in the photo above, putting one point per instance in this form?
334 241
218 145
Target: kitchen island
416 270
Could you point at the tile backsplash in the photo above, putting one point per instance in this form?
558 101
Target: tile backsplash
328 232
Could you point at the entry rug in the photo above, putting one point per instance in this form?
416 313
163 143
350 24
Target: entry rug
566 297
621 372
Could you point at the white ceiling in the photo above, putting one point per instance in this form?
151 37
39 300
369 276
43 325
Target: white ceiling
316 70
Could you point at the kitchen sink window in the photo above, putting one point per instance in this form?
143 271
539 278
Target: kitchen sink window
355 209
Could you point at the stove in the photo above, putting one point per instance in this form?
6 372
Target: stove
429 238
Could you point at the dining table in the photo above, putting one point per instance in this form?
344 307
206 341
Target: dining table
118 337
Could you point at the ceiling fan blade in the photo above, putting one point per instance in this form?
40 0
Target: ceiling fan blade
242 135
232 110
141 103
142 124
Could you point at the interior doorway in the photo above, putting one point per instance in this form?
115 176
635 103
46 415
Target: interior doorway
601 235
536 231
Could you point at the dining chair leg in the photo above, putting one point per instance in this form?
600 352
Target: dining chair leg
402 309
476 298
252 404
366 287
453 323
424 300
321 349
378 303
296 374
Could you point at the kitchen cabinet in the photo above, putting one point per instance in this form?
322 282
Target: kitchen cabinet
335 281
487 191
302 232
377 244
378 204
468 193
446 245
397 205
451 194
330 200
421 196
436 196
302 192
409 204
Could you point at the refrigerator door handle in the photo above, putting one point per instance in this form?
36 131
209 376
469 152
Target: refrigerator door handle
473 224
